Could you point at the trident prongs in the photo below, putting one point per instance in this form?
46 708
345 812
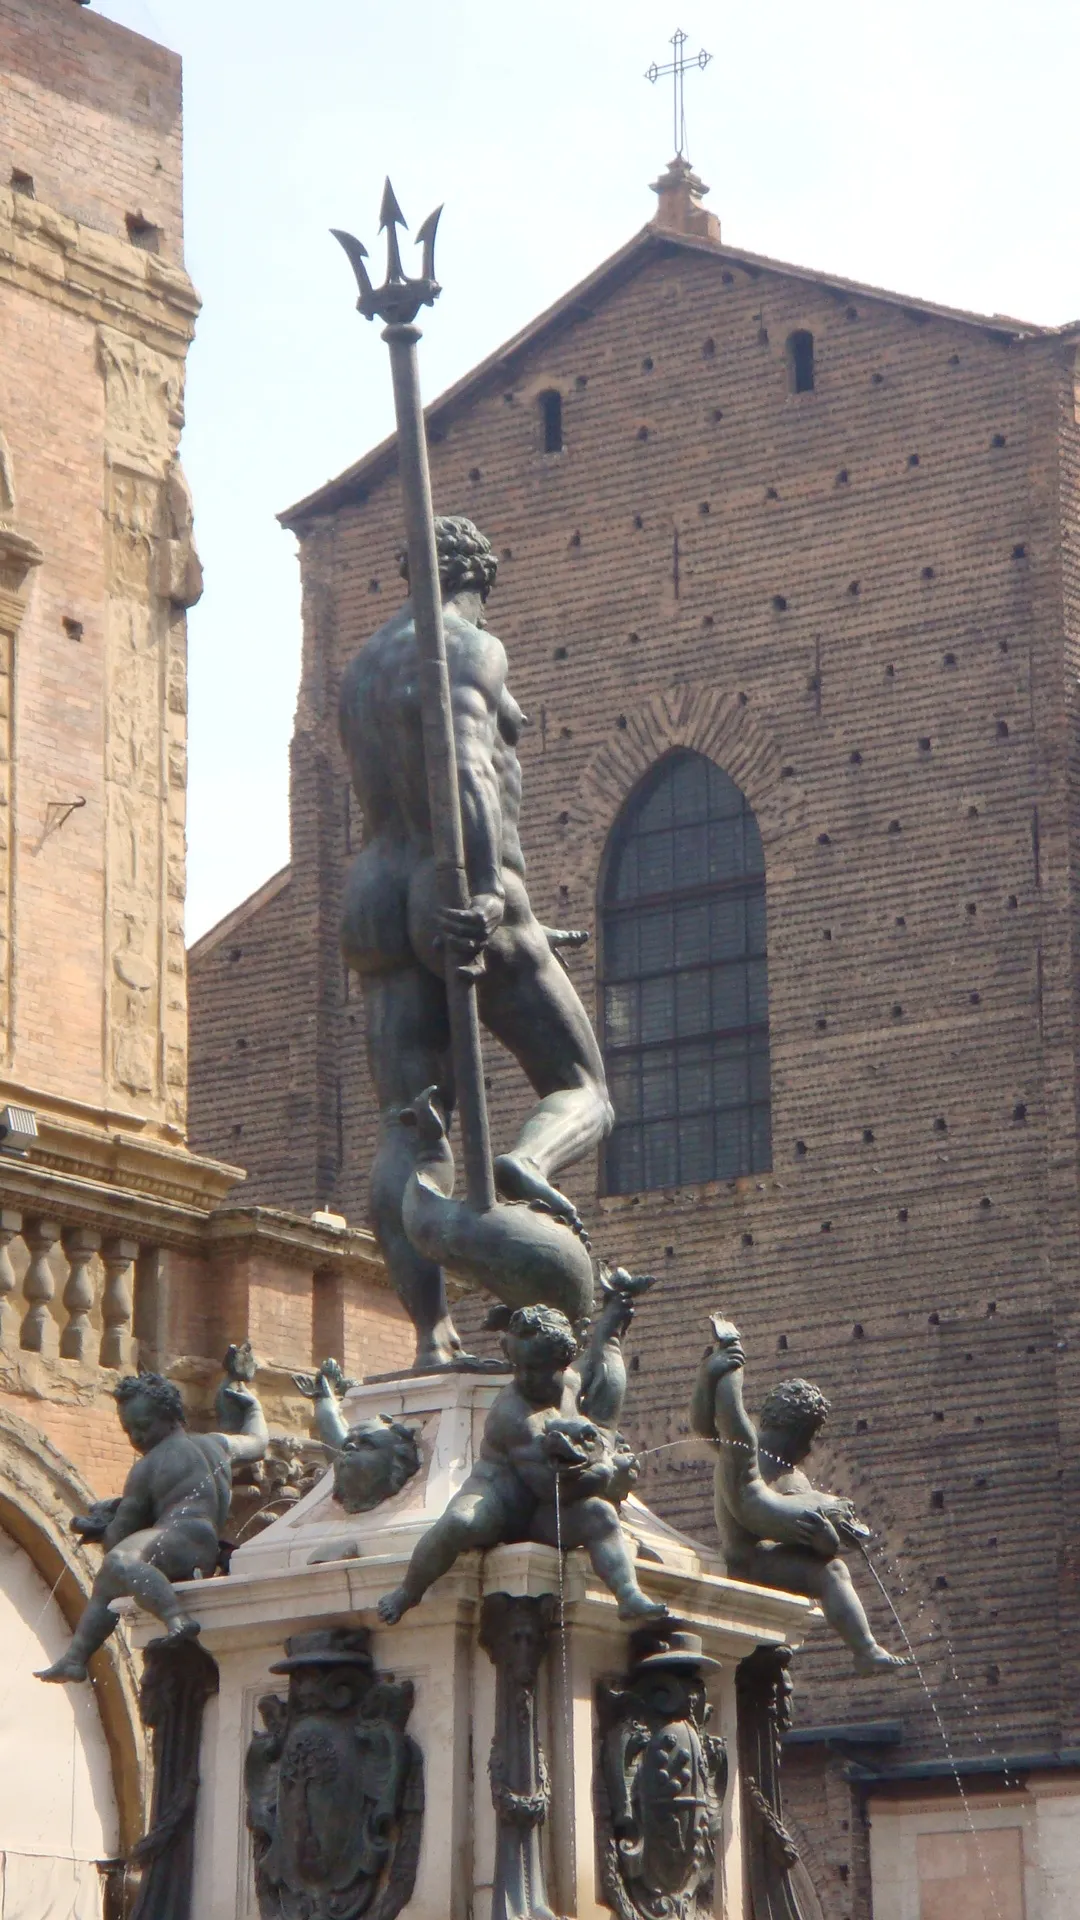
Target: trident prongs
399 299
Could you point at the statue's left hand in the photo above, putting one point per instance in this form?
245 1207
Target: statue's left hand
236 1391
468 929
92 1525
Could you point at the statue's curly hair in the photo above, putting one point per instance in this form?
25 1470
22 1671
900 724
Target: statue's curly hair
466 559
152 1386
797 1406
544 1320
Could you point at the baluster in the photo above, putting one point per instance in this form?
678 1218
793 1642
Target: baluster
117 1345
10 1226
80 1246
39 1334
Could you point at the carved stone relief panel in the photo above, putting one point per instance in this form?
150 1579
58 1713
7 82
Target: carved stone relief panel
661 1782
18 558
144 399
153 574
335 1785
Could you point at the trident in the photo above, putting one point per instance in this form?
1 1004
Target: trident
398 301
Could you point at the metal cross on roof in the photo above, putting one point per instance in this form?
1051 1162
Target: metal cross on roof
677 69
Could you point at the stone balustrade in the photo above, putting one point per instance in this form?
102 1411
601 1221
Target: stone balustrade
110 1279
66 1290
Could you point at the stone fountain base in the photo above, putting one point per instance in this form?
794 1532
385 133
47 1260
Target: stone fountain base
540 1669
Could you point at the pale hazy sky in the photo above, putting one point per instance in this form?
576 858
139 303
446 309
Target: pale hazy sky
925 145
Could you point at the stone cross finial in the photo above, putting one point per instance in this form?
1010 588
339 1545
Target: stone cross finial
677 69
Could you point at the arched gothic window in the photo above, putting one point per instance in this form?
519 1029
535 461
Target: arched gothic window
684 990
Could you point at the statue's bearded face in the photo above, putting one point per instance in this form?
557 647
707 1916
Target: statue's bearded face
376 1460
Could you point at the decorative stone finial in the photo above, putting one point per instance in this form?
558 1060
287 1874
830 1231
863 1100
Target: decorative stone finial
679 191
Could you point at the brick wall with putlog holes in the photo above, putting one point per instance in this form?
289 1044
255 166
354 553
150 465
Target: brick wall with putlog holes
854 601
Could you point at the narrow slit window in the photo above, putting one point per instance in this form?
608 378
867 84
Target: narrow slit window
800 349
551 420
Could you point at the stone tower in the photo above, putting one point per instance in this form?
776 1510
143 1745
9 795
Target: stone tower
97 568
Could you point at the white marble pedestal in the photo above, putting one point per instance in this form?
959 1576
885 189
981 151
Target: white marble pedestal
274 1590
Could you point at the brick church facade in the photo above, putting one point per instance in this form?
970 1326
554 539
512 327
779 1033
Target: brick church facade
824 539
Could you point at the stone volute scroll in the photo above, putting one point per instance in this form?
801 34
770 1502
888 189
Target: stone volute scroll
178 1679
335 1785
660 1782
780 1887
514 1631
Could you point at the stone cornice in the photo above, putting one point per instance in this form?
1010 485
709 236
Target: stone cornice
121 1153
104 279
174 1215
270 1229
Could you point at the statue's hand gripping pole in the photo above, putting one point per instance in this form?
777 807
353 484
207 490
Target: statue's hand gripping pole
398 301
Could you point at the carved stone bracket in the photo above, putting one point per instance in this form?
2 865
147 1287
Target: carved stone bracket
763 1690
661 1781
18 558
178 1679
514 1632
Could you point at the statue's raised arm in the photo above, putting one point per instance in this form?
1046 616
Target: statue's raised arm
603 1366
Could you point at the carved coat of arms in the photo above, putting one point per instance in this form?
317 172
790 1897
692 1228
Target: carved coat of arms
334 1786
662 1783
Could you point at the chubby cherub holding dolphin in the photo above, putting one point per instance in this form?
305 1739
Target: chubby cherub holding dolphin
552 1467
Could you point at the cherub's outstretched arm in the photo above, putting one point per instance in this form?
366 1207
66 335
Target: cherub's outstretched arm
252 1440
330 1424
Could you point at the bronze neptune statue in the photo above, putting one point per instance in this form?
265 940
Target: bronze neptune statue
437 919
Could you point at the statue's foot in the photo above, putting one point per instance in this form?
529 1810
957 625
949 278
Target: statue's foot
638 1606
434 1356
392 1605
879 1660
64 1671
519 1178
438 1347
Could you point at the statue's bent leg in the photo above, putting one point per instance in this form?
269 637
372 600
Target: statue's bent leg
528 1001
127 1572
408 1049
797 1570
481 1515
594 1524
